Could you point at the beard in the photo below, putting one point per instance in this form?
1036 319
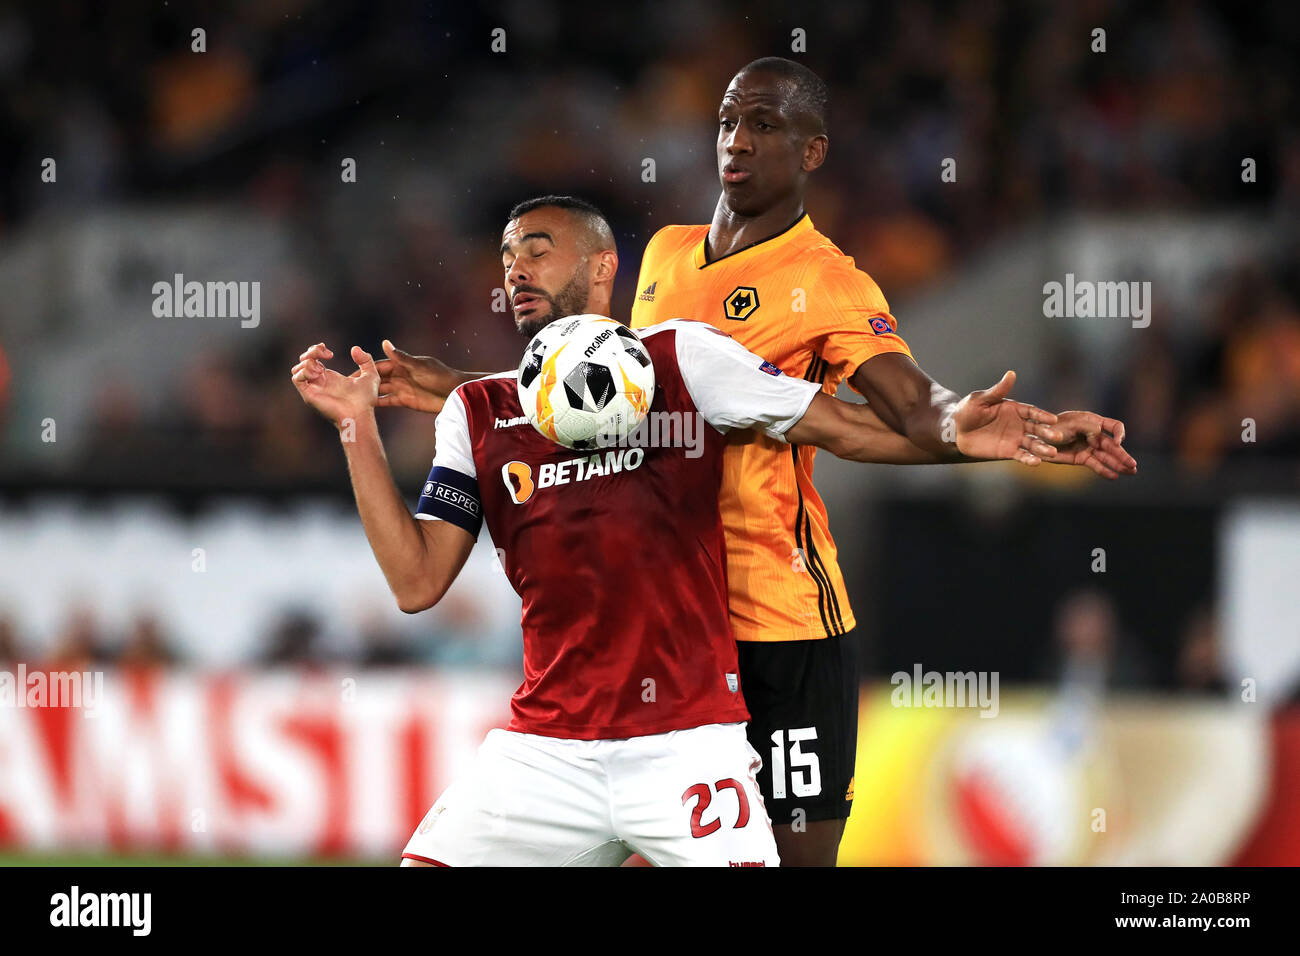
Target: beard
571 300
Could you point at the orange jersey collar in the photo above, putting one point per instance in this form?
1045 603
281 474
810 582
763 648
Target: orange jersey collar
801 225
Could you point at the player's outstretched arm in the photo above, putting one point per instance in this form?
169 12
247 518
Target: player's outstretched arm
734 388
909 401
938 420
419 559
419 382
855 433
915 405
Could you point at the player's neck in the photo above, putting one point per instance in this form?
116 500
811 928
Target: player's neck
731 231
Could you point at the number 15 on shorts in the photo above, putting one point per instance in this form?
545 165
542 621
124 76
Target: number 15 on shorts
805 776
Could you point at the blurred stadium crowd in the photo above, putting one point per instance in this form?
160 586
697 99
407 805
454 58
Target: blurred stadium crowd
448 134
1087 643
448 137
86 642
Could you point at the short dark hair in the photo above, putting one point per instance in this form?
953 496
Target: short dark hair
598 228
810 91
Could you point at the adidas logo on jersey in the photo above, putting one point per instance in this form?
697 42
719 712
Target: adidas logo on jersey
648 293
511 422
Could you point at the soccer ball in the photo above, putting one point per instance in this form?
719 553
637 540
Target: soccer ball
586 381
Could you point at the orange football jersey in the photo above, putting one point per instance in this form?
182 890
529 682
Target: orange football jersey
798 302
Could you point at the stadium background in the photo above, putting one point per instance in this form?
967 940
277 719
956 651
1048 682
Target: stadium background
189 529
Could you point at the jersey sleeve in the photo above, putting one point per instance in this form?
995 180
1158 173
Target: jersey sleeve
734 388
849 319
451 492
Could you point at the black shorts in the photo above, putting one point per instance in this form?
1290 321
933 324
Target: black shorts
803 707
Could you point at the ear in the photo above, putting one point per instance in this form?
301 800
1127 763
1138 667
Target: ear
814 152
606 266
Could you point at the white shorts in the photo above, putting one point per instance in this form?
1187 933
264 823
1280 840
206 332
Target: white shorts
684 798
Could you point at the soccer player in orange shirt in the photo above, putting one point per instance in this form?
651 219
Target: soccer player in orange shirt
763 274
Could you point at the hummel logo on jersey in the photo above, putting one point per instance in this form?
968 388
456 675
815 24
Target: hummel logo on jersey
648 293
511 422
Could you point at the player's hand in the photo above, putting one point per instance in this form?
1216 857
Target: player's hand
1092 441
987 425
420 382
340 398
